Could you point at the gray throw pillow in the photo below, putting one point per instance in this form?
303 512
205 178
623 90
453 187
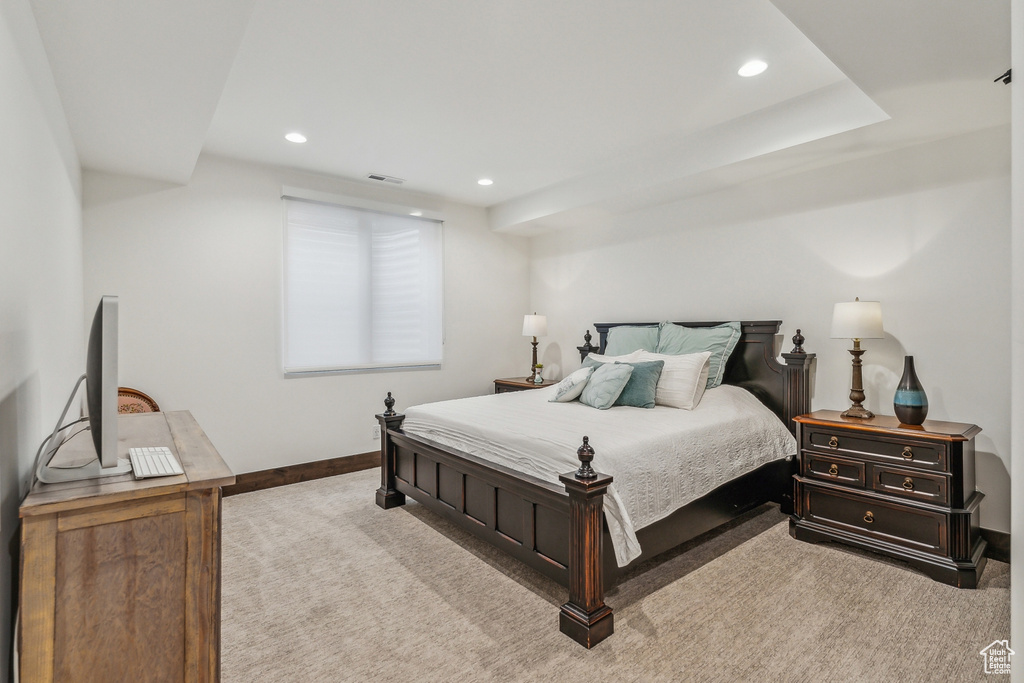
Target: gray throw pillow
605 385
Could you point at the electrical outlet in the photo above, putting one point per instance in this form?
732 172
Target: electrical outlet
376 432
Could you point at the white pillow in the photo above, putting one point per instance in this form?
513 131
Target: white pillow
682 380
571 387
613 359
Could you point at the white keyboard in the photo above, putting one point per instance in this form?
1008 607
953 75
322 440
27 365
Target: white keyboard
155 461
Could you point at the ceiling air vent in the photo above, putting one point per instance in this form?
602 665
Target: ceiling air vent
385 178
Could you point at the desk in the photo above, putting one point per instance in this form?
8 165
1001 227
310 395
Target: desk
120 579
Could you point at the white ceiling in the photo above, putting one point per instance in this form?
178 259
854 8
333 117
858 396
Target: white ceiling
576 109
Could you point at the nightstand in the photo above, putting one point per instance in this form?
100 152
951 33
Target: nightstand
907 492
502 386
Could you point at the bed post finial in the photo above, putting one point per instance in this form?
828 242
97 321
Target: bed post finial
798 340
389 403
585 453
587 347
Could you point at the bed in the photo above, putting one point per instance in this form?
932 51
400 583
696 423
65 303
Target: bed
560 529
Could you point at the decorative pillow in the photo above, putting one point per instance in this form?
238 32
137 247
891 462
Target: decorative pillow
571 387
629 338
676 340
683 379
605 385
641 389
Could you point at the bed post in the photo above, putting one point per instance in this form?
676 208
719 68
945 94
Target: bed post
387 495
587 347
797 402
585 618
798 381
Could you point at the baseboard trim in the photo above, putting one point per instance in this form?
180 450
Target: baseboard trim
998 545
307 471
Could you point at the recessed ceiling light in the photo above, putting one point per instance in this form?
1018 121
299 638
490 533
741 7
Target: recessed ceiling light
415 213
752 68
295 137
485 181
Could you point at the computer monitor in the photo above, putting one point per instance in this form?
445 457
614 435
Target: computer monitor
101 401
101 381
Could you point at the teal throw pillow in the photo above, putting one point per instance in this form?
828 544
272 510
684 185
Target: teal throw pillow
720 340
629 338
642 387
605 385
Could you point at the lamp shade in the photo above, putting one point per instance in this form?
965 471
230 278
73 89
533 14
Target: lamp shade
535 325
857 320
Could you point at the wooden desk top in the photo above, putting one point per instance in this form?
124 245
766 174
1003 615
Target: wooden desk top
177 430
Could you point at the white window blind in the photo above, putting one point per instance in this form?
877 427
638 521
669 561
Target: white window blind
362 290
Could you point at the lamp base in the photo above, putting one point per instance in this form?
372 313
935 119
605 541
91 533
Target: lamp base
858 411
533 365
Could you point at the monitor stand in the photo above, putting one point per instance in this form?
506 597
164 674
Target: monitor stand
55 474
73 458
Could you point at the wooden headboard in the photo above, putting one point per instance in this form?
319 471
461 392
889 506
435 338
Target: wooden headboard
784 388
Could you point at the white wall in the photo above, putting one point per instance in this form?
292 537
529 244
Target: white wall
41 315
1017 351
198 272
897 228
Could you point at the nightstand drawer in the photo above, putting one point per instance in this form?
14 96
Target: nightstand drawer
889 522
930 488
875 447
834 469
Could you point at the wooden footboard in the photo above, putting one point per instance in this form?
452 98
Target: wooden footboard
557 530
521 515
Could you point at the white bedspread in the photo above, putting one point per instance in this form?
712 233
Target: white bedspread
661 458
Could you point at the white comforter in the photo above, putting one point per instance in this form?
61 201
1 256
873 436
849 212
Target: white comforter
661 458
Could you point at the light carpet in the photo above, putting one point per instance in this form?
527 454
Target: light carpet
319 584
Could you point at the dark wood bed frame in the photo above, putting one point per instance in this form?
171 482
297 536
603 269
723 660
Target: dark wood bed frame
560 530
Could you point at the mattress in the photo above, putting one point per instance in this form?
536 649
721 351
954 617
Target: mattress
660 458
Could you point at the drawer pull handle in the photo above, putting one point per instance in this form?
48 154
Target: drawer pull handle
869 517
907 453
833 470
833 442
908 484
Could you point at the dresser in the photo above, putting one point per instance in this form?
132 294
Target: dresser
502 386
120 578
904 491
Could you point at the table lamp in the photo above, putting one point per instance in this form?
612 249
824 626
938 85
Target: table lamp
534 326
857 320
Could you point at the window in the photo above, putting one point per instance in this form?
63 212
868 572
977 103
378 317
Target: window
362 289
